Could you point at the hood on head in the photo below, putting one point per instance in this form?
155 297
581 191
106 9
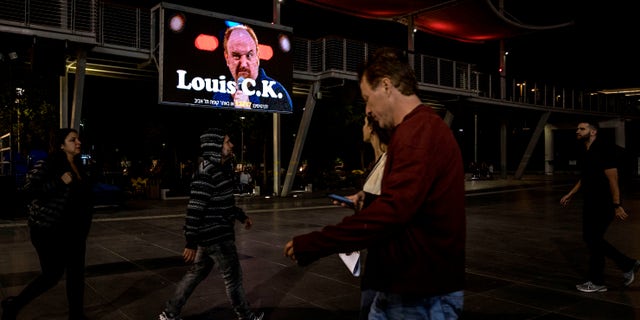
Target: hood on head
211 142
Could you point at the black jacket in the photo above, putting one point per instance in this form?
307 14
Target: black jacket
55 204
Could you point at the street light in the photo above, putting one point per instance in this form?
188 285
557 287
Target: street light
522 86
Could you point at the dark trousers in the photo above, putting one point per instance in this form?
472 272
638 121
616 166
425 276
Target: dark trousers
596 219
58 251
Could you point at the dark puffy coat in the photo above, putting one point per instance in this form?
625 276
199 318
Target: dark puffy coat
53 203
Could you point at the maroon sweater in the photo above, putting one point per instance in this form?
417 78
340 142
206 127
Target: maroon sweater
415 230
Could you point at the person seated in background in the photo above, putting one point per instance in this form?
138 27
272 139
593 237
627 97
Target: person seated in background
246 181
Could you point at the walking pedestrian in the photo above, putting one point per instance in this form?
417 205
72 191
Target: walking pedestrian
209 229
59 220
601 205
379 139
415 230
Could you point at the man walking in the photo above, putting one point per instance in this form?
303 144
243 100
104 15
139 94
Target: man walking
415 229
209 229
601 197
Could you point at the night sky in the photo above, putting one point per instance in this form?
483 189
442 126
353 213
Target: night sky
598 51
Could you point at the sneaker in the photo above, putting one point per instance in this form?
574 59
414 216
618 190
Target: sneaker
9 309
591 287
258 316
168 316
631 274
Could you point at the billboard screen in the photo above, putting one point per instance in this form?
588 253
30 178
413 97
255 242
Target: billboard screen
217 61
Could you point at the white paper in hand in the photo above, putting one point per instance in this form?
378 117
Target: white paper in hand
352 261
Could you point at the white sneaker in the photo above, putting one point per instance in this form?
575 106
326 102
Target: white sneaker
630 275
591 287
168 316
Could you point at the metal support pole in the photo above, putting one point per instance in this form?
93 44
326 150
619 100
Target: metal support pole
305 122
78 92
276 122
532 144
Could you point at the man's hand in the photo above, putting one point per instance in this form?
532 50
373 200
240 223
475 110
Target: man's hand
189 255
288 250
564 201
356 198
621 213
248 223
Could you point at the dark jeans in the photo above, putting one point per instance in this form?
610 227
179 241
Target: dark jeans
596 219
225 257
58 251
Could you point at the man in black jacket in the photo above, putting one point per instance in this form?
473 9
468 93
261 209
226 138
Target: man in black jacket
209 229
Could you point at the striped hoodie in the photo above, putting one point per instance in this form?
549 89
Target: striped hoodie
211 212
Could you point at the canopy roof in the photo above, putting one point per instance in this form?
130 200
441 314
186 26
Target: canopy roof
461 20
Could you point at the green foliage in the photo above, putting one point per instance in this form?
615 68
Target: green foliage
29 117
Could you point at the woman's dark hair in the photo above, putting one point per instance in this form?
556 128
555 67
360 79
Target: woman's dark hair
59 137
383 134
57 157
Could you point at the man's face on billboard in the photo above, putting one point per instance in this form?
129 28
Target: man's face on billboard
242 55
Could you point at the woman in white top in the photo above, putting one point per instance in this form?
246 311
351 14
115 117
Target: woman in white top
378 138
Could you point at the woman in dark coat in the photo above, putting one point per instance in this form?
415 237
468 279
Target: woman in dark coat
59 219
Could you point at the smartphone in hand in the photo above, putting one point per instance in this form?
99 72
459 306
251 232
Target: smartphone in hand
341 199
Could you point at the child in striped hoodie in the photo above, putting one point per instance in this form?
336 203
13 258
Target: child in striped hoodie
209 228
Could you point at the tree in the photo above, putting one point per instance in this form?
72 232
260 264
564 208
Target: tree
29 115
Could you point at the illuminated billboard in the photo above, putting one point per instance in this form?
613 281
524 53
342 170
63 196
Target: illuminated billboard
213 60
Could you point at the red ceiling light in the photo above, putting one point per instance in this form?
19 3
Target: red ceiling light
206 42
265 52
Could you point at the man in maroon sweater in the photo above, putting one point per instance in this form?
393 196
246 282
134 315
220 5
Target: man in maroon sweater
415 230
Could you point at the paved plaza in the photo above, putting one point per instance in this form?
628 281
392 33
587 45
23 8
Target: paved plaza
524 256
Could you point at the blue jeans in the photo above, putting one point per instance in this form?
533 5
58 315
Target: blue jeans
366 300
388 306
225 257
